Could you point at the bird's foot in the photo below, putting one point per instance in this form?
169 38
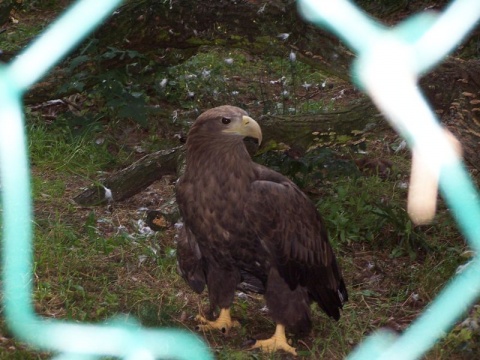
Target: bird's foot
277 342
223 323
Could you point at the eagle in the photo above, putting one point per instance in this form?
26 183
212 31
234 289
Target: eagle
244 223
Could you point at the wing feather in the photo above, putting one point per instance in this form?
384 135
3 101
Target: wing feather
288 223
189 260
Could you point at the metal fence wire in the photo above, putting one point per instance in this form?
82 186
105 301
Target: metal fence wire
119 337
389 62
387 67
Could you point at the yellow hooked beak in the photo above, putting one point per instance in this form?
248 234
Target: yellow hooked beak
247 127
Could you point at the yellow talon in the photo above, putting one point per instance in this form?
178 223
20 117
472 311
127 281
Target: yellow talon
277 342
223 323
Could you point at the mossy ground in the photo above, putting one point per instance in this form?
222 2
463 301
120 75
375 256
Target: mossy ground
94 263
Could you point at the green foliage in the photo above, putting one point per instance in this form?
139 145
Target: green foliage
296 169
315 107
466 335
14 41
127 85
116 93
356 211
31 5
406 237
58 149
203 81
349 213
354 214
315 166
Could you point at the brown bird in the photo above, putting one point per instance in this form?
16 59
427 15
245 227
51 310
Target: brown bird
245 223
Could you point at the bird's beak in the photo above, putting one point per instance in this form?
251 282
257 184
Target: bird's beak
251 128
247 128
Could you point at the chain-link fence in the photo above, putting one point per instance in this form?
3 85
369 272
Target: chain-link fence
389 62
118 337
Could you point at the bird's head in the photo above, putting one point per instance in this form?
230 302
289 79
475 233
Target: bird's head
226 122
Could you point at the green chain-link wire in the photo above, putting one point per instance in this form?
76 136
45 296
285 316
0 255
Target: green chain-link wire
389 62
119 337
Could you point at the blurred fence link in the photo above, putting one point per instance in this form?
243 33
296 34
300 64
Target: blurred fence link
389 62
121 338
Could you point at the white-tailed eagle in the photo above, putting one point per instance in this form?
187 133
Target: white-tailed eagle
246 223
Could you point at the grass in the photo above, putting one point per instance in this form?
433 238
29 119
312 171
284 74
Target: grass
94 264
273 85
59 150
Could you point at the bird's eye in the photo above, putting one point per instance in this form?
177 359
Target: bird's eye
225 120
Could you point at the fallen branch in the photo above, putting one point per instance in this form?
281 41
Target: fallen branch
133 179
294 130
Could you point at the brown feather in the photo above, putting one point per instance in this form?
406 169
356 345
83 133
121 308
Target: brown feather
190 264
249 222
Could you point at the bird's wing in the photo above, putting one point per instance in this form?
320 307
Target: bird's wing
290 227
189 260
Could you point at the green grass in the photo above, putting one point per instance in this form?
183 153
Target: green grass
94 264
19 35
58 150
216 76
